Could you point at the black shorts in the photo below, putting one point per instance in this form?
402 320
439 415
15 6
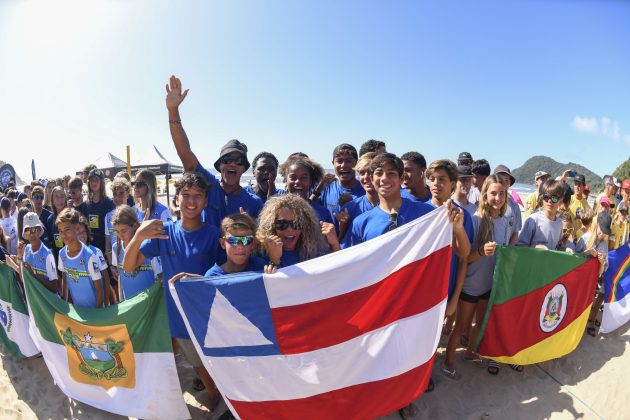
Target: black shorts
474 299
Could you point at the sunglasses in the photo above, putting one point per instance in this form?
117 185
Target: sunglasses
282 224
567 231
554 198
238 160
38 197
31 229
139 184
235 240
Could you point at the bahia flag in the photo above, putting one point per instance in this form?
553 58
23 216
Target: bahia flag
14 317
352 334
539 305
616 290
118 359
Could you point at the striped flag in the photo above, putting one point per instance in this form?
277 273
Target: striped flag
14 317
118 359
539 305
616 290
352 334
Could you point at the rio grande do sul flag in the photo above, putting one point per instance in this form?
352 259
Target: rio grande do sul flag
14 317
539 305
352 334
616 290
118 359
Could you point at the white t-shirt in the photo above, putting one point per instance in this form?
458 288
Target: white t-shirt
9 226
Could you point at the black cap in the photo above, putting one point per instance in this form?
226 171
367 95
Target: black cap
604 221
464 171
97 173
229 147
579 178
464 155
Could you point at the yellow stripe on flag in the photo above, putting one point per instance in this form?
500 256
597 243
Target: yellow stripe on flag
557 345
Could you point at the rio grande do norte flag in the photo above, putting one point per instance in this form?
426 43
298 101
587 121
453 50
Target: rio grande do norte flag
539 305
119 359
14 317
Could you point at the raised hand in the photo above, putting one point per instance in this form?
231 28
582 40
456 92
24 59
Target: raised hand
273 245
328 230
344 198
151 229
342 217
174 95
489 248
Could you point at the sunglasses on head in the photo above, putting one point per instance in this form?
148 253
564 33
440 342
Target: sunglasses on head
554 198
238 160
235 240
38 197
282 224
139 184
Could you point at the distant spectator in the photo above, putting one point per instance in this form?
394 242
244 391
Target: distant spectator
375 146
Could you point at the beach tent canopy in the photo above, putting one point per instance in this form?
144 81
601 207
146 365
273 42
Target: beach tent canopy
152 160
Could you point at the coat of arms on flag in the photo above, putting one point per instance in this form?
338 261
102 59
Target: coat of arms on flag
101 356
313 339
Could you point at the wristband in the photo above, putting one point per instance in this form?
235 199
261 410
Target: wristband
273 264
174 121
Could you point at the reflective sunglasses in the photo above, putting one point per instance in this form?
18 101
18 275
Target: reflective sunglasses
554 198
238 160
139 184
235 240
567 231
38 197
282 224
31 229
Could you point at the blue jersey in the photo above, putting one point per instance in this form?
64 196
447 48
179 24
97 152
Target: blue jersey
406 194
330 196
321 212
470 232
191 252
255 264
160 212
221 204
81 273
250 189
375 222
110 232
356 207
42 262
142 277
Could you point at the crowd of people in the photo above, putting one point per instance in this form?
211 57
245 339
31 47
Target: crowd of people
95 243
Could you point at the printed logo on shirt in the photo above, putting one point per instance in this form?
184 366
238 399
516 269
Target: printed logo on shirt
58 241
93 219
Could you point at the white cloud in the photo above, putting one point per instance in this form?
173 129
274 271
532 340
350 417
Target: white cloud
603 126
586 125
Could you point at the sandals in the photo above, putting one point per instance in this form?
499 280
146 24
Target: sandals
475 360
430 385
517 368
493 367
198 384
450 373
408 412
593 328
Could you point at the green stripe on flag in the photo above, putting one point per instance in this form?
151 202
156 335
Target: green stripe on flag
144 316
10 291
522 270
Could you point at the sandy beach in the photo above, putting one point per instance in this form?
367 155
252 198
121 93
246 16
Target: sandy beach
589 383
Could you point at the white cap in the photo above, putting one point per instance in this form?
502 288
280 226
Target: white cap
31 220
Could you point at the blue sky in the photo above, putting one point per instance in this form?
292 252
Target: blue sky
504 80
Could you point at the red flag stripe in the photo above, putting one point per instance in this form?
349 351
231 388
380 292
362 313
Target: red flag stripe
368 400
327 322
500 338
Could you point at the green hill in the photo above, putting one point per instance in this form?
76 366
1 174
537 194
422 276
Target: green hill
525 173
622 171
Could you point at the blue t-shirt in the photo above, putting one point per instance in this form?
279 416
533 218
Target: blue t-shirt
81 273
470 232
255 264
42 262
375 222
135 282
191 252
330 196
221 204
322 213
356 207
160 212
96 220
404 192
250 189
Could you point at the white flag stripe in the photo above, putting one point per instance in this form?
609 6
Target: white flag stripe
303 282
379 354
121 400
17 330
615 314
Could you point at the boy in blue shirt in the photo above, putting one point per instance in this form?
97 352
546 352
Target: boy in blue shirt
36 256
346 187
79 265
188 245
226 196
